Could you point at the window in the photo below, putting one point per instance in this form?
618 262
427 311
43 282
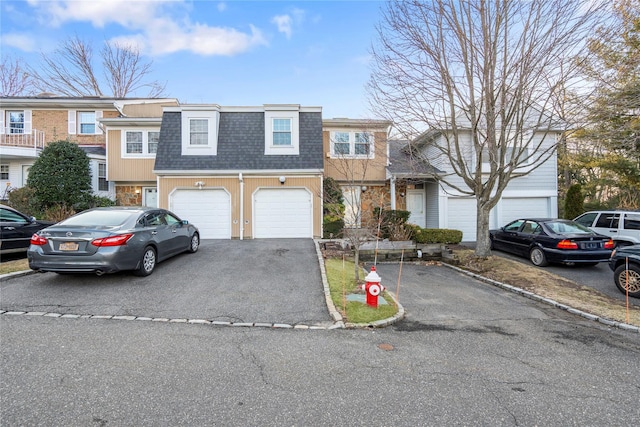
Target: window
134 142
16 121
608 220
87 122
103 184
352 144
153 139
198 132
4 171
281 131
632 222
140 143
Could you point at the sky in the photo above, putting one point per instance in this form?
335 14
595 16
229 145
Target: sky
231 53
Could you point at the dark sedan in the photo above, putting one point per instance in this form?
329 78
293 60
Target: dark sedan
106 240
552 240
625 263
16 230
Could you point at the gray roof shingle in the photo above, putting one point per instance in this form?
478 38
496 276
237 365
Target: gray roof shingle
241 145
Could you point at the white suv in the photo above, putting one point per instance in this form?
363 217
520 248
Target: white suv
622 226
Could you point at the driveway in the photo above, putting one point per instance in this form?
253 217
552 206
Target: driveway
240 281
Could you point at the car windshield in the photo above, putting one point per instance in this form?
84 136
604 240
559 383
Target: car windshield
99 218
564 227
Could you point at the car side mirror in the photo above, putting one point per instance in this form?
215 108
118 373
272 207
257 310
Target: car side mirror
184 222
32 219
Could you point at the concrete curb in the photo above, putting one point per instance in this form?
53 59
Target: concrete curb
536 297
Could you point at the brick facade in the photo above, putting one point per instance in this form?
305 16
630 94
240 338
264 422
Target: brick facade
128 195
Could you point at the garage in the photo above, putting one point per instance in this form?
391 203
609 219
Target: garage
519 207
207 209
282 213
462 216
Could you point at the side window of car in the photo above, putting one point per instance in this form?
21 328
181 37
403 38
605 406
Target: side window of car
154 219
615 221
587 219
604 221
529 227
514 226
632 222
8 216
171 219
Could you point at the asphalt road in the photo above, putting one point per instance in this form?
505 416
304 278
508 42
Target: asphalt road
467 354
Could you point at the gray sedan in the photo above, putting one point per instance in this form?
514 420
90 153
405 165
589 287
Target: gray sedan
106 240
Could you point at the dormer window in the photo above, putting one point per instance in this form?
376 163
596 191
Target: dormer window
282 135
200 132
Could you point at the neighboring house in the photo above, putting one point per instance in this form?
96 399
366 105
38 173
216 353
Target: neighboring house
356 156
28 124
243 172
434 205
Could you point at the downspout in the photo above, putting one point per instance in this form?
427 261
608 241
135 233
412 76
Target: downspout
241 205
392 185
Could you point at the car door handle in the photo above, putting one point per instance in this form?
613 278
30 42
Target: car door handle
9 228
174 230
154 232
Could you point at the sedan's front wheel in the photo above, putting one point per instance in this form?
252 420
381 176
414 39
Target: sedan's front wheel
628 279
195 243
538 258
147 262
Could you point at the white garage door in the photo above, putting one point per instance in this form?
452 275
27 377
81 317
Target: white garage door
209 210
521 207
282 213
461 215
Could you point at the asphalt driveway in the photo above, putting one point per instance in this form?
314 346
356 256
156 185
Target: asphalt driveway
240 281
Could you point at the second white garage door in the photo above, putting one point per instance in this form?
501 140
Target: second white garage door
208 209
282 213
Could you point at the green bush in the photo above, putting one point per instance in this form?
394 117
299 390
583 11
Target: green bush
393 224
436 235
332 229
23 199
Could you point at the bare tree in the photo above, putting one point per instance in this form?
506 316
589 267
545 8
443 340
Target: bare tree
485 76
72 71
14 79
353 171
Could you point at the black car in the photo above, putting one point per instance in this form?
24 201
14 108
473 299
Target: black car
16 230
625 263
110 239
552 240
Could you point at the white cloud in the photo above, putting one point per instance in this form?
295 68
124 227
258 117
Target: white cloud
23 42
156 31
222 6
286 23
283 22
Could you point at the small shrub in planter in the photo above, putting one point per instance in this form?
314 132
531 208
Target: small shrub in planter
436 235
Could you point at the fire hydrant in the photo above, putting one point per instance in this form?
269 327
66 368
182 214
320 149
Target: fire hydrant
372 287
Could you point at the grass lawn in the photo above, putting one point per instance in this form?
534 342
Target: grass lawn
341 278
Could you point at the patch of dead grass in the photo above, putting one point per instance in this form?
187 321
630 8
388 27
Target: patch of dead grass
548 285
14 265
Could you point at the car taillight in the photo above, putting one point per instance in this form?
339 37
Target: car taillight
38 240
118 240
609 244
567 244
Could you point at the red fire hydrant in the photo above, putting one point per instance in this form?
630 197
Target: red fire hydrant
372 287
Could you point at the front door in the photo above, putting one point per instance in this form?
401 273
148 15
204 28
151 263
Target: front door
416 205
150 197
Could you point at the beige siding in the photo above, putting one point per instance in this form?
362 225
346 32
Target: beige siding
119 169
251 183
357 170
152 109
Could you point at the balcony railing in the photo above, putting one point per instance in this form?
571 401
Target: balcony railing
33 139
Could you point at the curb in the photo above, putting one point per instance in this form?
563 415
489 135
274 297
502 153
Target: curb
536 297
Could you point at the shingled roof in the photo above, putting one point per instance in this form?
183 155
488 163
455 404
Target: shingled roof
241 145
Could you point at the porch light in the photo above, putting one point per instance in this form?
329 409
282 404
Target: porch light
199 184
282 179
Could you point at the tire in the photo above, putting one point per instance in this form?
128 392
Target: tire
194 244
620 277
147 262
538 258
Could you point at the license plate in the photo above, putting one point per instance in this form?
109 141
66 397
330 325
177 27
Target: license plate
592 245
68 246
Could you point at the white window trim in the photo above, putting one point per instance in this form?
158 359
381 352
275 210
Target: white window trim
145 143
213 120
352 145
73 124
4 122
274 150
